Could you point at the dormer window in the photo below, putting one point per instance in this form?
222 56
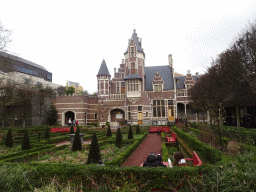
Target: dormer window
158 88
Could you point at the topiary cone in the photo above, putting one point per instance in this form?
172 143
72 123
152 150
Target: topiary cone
109 132
72 130
26 142
138 129
130 133
94 151
119 139
9 139
77 145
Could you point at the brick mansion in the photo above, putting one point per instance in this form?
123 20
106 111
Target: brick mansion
137 94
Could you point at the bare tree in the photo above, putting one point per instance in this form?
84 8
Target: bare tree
41 101
5 37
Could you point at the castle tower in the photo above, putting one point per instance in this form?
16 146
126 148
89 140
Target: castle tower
103 78
134 67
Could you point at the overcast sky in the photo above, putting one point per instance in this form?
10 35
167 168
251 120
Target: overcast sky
71 38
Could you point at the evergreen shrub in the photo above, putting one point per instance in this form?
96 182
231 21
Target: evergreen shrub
47 133
119 138
71 130
9 139
130 133
94 151
138 129
77 145
26 142
109 132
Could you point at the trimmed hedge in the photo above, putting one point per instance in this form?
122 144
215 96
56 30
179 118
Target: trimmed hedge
28 156
119 160
165 152
210 154
2 157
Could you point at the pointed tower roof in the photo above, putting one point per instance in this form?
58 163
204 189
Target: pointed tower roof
136 41
103 69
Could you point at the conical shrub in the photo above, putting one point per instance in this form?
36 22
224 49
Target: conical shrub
77 145
138 129
130 133
119 138
9 139
26 142
109 132
47 133
94 151
72 130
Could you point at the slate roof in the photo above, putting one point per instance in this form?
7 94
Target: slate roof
164 71
103 69
181 83
21 60
137 43
132 76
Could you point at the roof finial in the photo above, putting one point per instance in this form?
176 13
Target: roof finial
133 28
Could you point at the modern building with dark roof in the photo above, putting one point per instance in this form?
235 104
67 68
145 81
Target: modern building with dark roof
136 94
12 63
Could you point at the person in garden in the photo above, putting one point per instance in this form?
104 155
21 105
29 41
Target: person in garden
179 159
101 163
69 122
74 122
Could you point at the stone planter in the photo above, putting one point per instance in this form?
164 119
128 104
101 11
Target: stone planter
72 136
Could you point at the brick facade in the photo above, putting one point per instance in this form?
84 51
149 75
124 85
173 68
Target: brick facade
136 94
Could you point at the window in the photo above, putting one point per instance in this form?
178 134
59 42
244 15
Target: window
132 51
158 88
139 108
146 114
188 91
133 85
49 77
180 92
132 68
170 102
95 116
158 108
118 87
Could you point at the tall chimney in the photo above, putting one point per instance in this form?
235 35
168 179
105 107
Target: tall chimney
197 73
122 61
188 72
170 60
114 71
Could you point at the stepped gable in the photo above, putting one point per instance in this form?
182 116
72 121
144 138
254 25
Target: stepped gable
137 43
182 80
103 69
158 79
164 71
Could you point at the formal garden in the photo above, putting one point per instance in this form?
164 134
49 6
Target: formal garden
39 164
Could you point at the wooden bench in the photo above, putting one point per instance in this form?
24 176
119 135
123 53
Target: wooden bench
172 139
196 160
155 129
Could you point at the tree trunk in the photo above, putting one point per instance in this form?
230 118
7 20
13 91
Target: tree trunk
24 122
238 117
221 115
221 143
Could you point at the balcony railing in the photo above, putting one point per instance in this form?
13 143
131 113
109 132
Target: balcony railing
116 97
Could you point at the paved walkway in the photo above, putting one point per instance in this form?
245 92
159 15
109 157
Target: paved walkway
152 143
68 142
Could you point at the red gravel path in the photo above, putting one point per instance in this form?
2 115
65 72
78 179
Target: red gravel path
151 144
